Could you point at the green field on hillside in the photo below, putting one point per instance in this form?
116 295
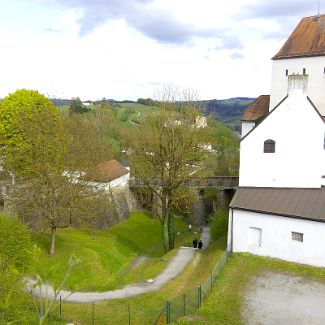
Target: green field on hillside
106 258
131 114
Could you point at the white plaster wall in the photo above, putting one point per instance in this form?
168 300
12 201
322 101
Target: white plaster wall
121 181
106 186
323 164
298 160
316 79
246 127
276 237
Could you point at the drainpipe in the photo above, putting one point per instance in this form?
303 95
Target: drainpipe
231 225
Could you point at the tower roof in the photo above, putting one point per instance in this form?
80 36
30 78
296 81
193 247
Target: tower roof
308 39
257 109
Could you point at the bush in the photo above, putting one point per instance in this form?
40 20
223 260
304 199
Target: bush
219 225
15 245
15 259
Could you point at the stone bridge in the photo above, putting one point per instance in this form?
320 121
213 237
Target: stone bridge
205 206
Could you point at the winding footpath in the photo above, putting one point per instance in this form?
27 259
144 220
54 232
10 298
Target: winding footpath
173 269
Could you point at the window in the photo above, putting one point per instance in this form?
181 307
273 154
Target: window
254 237
304 71
297 236
269 146
288 72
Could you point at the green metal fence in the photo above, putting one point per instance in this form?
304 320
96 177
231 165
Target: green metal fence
120 314
190 301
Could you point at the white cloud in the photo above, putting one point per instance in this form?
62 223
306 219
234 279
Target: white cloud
125 48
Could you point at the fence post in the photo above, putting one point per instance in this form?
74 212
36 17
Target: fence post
93 314
60 307
199 296
184 304
211 278
129 311
168 312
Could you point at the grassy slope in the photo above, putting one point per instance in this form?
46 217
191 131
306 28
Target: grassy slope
125 112
145 308
223 306
104 263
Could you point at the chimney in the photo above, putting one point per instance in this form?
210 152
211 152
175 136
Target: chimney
297 84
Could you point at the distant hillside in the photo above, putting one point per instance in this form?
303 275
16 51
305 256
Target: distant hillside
228 111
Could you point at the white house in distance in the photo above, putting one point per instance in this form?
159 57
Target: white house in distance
279 207
109 175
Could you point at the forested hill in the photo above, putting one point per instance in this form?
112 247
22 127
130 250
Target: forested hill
228 111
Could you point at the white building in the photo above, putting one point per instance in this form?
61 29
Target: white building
279 207
109 175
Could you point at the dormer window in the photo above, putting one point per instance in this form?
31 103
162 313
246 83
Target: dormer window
269 146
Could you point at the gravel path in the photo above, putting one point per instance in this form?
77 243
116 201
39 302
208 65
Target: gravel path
173 269
276 298
205 237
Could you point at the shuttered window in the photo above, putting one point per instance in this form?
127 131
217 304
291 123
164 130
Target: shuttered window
269 146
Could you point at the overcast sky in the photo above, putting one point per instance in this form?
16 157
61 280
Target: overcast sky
126 49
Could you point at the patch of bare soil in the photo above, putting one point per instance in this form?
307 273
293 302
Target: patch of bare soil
138 261
278 298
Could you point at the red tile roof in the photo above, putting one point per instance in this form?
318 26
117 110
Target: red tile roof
257 109
308 39
106 171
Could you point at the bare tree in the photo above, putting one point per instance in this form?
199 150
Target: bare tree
166 153
52 201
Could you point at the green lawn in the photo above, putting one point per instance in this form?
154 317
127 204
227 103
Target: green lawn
106 257
125 112
145 308
223 305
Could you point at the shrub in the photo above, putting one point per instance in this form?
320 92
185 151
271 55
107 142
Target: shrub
15 245
219 225
15 260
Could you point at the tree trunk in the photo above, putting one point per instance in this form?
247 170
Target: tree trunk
52 248
165 235
168 234
171 233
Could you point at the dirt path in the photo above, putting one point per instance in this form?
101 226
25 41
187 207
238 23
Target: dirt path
276 298
173 269
205 237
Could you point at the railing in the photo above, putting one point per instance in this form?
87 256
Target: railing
190 301
107 312
220 182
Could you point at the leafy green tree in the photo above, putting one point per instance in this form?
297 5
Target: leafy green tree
32 135
92 136
223 160
15 245
76 106
166 153
15 260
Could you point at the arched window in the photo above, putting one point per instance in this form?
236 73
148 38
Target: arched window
269 146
